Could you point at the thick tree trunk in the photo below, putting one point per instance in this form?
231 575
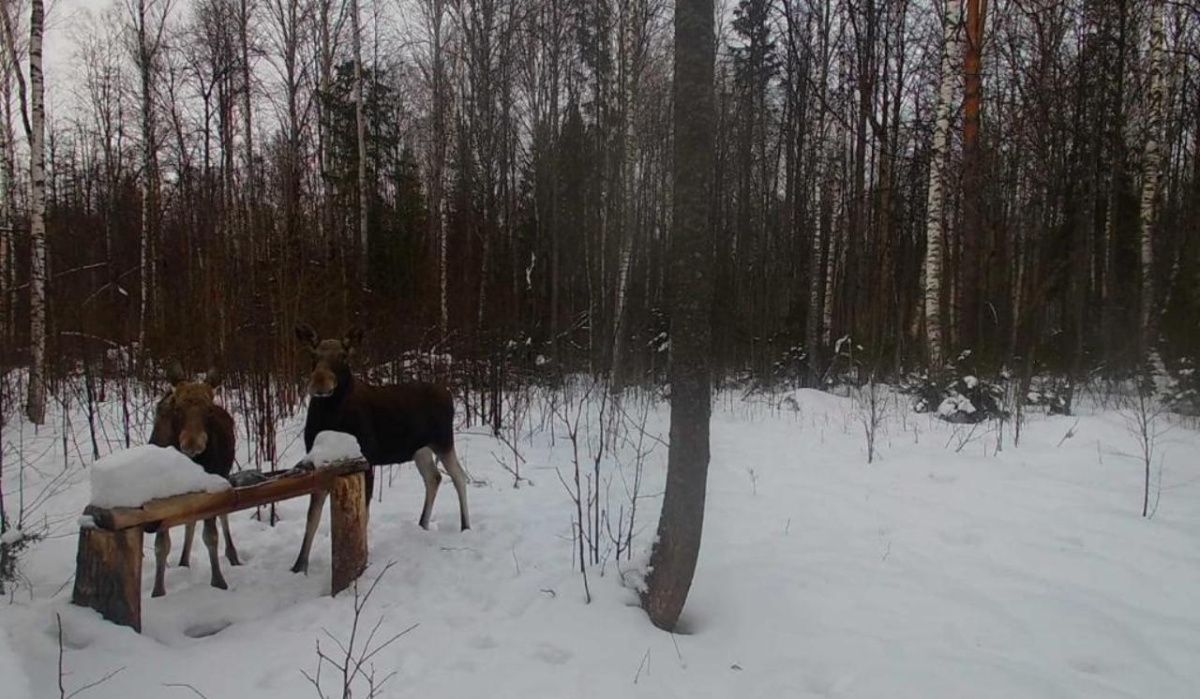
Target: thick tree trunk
673 560
35 405
934 230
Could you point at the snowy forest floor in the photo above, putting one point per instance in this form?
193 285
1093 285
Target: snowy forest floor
946 568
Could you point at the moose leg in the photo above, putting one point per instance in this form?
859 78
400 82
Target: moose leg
429 473
315 504
162 548
230 550
186 554
214 560
455 469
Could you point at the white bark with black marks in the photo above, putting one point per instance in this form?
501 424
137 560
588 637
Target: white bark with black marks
934 226
35 405
1152 175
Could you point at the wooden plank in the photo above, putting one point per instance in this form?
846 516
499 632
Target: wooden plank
348 530
192 507
108 574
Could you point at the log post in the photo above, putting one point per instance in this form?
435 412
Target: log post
348 529
108 574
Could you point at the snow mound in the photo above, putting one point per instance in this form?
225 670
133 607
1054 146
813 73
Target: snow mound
330 447
134 476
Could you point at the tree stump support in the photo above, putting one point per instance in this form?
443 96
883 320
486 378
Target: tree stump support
348 530
108 574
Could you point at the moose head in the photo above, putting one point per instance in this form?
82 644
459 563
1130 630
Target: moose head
185 411
330 359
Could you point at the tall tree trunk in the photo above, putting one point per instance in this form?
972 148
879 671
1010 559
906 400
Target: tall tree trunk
627 81
1151 177
248 130
435 16
149 180
970 286
35 405
677 547
360 130
934 230
8 190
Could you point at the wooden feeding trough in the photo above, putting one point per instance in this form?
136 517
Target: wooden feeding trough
108 565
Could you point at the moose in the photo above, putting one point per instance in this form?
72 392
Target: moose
188 420
393 424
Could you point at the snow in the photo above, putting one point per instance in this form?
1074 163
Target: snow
957 564
133 476
330 447
12 536
12 674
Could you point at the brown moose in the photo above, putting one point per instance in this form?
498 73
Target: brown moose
393 424
189 420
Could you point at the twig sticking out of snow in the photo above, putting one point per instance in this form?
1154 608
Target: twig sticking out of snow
62 689
354 664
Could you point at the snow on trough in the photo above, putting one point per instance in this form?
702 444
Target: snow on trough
134 476
330 447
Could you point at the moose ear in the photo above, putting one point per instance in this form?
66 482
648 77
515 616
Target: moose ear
213 377
175 375
353 338
306 335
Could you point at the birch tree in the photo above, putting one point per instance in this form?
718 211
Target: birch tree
149 19
35 404
633 23
934 226
31 101
1151 176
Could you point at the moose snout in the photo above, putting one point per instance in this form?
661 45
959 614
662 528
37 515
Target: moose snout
193 445
321 384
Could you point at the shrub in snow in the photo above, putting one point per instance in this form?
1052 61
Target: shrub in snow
1181 392
134 476
1050 395
965 399
792 366
13 542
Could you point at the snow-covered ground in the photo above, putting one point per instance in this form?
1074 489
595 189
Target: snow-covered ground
944 569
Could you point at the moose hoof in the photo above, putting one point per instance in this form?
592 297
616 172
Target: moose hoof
220 584
183 563
300 567
233 559
158 592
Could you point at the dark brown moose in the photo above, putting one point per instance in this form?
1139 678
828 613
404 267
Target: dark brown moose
393 424
189 420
